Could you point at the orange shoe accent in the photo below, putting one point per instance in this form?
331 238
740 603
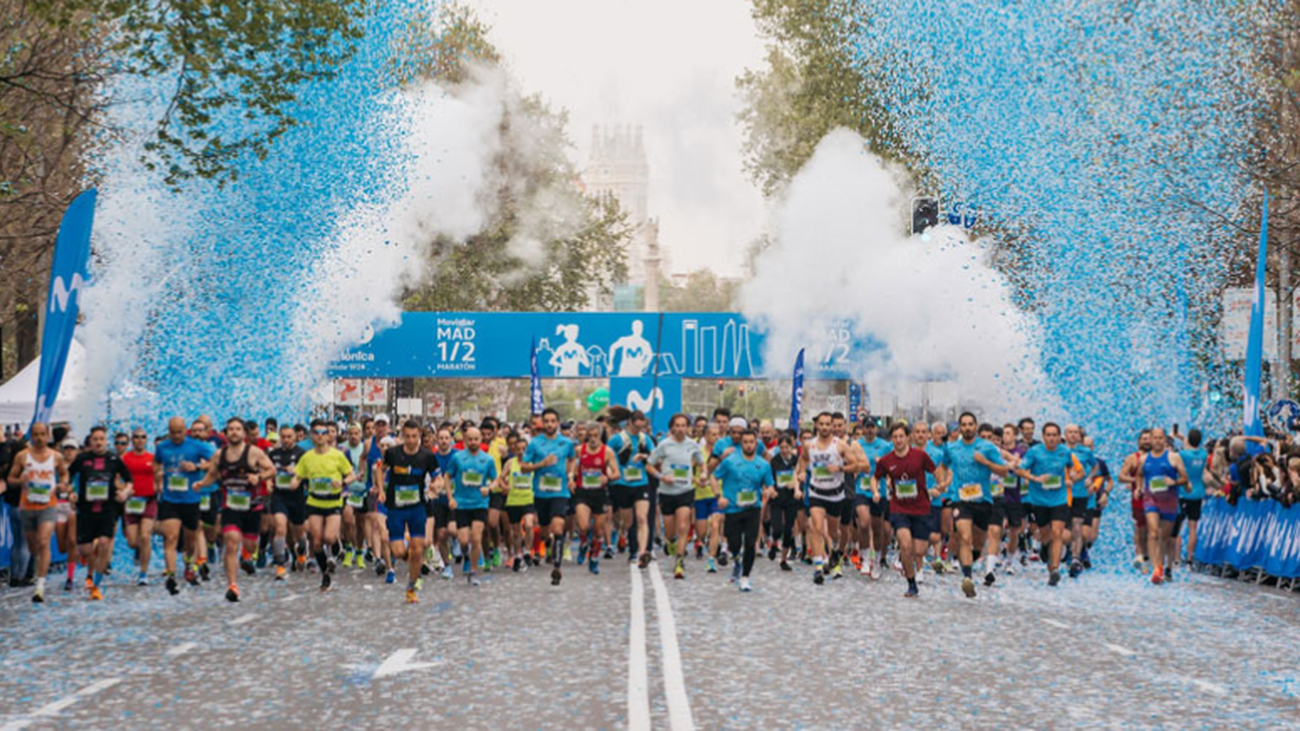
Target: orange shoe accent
856 559
1158 575
90 583
96 594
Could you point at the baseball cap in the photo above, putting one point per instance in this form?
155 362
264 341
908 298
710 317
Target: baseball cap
70 442
381 417
738 422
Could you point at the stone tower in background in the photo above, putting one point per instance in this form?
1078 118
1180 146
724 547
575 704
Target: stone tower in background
617 167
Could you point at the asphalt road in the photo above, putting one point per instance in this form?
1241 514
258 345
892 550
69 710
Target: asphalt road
622 650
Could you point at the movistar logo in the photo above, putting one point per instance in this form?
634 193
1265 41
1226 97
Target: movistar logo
61 293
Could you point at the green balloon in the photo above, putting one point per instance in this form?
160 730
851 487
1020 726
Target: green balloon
598 399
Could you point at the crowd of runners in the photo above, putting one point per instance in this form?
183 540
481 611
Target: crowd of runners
415 502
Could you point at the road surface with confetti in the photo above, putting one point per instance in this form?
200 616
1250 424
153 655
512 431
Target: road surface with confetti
629 649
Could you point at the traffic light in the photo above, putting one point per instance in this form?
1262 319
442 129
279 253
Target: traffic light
741 389
925 213
720 384
404 388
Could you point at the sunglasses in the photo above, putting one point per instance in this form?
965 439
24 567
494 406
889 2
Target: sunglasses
321 432
121 442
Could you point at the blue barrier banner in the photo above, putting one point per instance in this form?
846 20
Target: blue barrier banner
1253 534
590 345
6 537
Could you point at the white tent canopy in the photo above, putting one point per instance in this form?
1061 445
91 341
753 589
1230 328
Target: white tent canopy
18 394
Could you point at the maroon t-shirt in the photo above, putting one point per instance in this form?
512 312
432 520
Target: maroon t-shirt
899 469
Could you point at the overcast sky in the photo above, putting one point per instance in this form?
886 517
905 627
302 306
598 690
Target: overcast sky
669 65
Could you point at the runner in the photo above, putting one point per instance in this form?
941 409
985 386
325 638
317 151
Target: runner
595 467
65 530
1131 476
472 472
708 518
326 471
943 508
179 461
403 482
1162 472
357 504
103 483
630 494
550 458
676 462
497 526
973 461
40 473
746 484
519 504
1013 505
1195 459
444 522
904 470
873 448
288 505
1080 495
375 525
142 507
241 468
784 505
1048 468
827 458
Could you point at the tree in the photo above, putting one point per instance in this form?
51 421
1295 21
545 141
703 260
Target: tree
541 213
812 83
703 291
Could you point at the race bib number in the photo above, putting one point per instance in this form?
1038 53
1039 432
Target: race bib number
97 491
1159 484
406 496
322 486
470 478
633 474
550 483
591 479
205 503
521 481
38 493
356 500
177 483
136 505
785 479
681 473
970 492
864 484
1053 482
996 489
905 489
747 498
284 481
239 500
822 473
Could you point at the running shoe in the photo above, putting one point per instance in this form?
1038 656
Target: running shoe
722 557
855 558
190 577
968 587
912 592
232 594
380 568
556 575
142 580
348 557
390 577
609 553
411 597
679 569
771 552
1076 568
172 587
594 566
582 553
361 562
837 571
447 572
95 594
1054 578
38 597
280 573
247 566
699 550
745 585
261 559
205 573
67 584
644 561
515 563
326 578
710 565
1158 575
874 573
465 567
622 542
1009 568
818 579
785 565
989 578
473 580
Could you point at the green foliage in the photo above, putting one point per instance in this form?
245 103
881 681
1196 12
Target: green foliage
703 291
246 54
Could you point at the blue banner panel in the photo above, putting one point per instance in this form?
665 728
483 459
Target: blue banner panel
1253 534
589 345
658 400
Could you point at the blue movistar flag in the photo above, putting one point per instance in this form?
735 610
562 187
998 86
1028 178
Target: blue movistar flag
535 384
796 395
68 275
1255 341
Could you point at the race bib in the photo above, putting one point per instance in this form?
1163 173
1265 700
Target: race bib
1053 482
996 489
239 500
633 474
205 503
822 473
136 505
38 493
470 478
550 483
970 492
747 498
1159 484
177 483
905 489
97 491
591 479
521 481
356 500
681 473
785 479
864 483
406 496
284 481
322 486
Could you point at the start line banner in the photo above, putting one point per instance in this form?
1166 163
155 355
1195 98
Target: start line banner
1253 534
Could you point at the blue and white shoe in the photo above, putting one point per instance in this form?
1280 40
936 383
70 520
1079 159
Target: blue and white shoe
390 577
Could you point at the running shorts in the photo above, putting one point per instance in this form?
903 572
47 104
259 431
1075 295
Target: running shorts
410 519
515 513
1045 515
247 522
291 504
92 525
186 513
313 510
466 518
1015 514
706 508
150 511
496 500
978 514
624 497
594 499
548 509
670 504
1079 508
920 526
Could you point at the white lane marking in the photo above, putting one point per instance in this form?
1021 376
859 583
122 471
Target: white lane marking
242 619
181 649
52 709
1056 624
290 598
638 688
1214 688
1119 650
400 662
679 706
